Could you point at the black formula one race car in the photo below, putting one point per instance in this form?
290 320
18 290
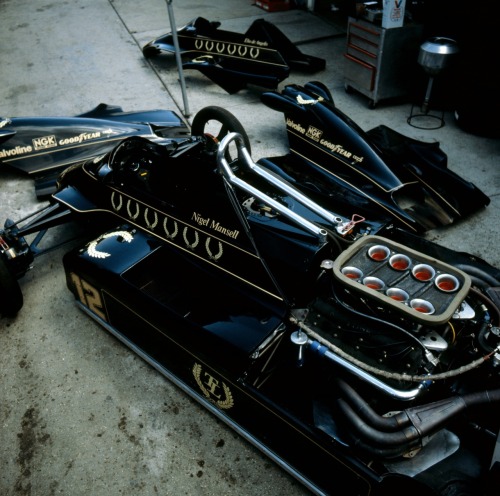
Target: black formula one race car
43 146
351 352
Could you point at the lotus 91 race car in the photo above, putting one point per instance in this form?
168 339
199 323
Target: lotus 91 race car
353 353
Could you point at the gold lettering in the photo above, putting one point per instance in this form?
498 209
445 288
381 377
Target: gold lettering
212 384
339 149
201 221
223 230
295 126
80 138
256 42
18 150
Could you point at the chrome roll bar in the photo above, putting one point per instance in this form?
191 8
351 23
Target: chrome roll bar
244 156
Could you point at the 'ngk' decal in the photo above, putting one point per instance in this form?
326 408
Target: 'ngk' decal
44 142
314 133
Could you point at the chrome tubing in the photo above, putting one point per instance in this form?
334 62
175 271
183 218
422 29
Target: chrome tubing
243 154
364 375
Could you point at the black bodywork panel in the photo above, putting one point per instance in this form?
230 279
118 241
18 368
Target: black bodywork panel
43 146
263 56
380 170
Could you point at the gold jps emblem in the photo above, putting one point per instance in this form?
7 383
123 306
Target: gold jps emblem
214 389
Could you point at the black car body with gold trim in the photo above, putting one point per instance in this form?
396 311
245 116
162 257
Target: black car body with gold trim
347 357
380 170
261 56
43 146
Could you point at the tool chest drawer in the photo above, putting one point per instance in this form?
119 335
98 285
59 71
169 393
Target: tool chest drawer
380 62
363 74
363 55
364 39
370 33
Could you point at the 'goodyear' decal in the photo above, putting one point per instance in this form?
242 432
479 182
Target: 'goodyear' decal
80 138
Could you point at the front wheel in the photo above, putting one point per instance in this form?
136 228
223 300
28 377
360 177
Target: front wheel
215 123
11 296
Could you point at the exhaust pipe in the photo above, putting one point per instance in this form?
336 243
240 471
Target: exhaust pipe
395 436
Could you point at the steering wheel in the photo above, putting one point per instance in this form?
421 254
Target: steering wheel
215 123
130 155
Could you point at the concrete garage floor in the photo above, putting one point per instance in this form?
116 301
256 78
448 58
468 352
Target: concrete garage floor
79 413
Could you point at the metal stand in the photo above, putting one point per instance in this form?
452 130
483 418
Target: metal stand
434 56
424 117
178 57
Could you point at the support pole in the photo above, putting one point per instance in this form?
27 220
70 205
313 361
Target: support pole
178 57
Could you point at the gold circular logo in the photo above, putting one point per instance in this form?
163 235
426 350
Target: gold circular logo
216 391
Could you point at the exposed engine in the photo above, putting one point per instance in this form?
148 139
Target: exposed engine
410 349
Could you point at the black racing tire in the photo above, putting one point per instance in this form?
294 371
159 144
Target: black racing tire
218 116
11 296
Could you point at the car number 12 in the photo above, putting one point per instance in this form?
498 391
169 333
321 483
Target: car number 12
89 296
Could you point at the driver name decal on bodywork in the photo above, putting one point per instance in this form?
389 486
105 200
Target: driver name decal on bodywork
198 240
256 42
212 224
167 227
215 390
